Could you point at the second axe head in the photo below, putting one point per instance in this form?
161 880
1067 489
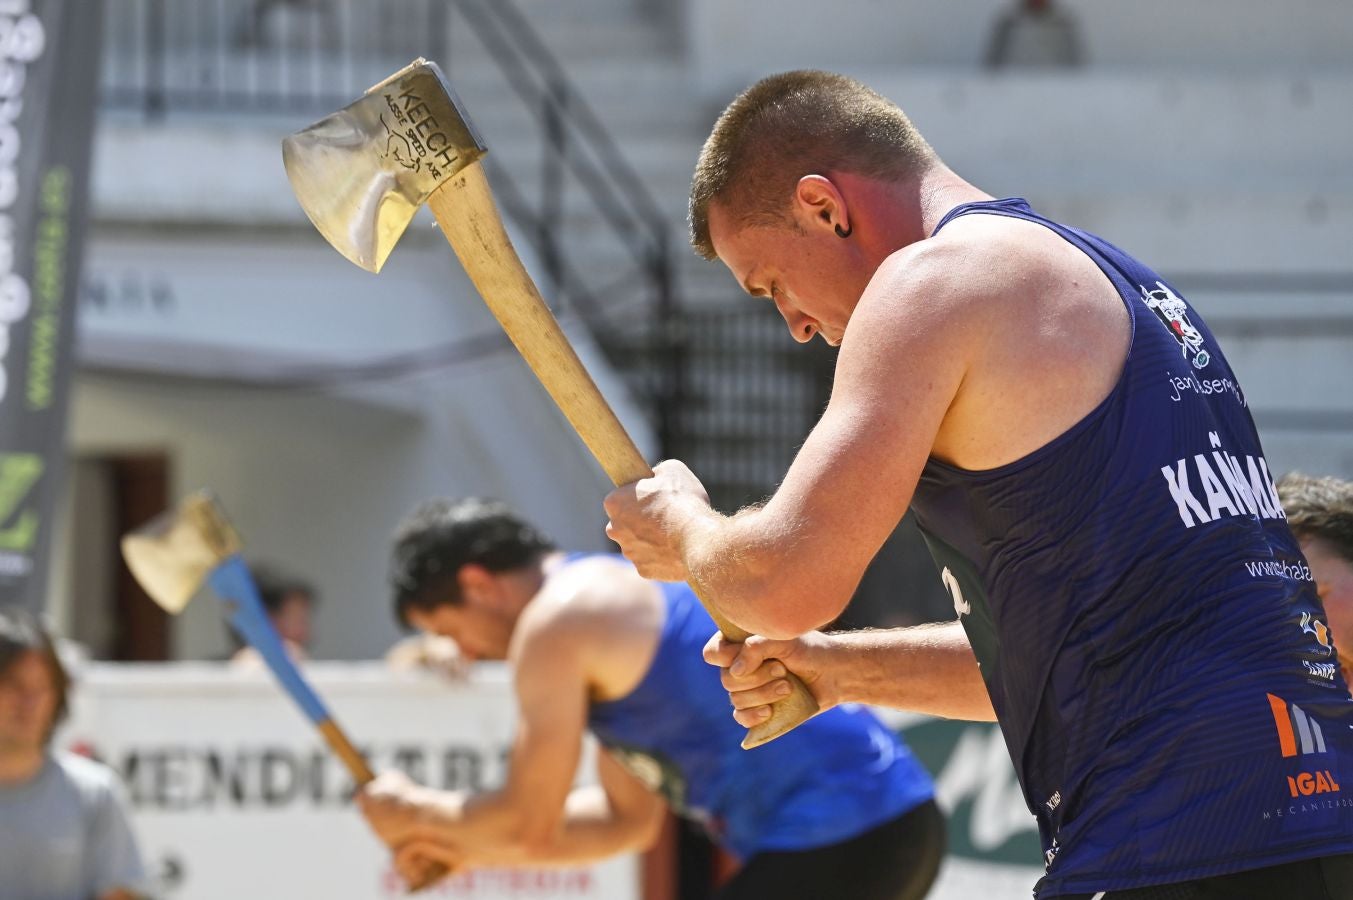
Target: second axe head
361 173
175 553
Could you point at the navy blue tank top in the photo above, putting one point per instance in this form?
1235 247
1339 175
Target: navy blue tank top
1145 622
836 776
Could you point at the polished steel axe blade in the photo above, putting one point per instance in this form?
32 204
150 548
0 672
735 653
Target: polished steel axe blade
361 173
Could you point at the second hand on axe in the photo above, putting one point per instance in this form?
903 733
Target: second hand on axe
361 174
174 554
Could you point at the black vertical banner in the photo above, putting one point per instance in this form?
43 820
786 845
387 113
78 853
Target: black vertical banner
49 53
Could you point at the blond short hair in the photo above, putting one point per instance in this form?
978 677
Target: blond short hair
1320 508
795 124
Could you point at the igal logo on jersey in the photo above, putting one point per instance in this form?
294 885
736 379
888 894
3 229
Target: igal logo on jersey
1299 734
1306 784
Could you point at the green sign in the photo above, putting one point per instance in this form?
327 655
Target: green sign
975 784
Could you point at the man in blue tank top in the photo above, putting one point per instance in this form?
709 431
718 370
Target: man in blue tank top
1133 608
839 808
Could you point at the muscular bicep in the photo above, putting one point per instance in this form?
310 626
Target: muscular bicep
900 367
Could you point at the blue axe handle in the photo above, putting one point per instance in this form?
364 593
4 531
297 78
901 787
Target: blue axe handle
232 582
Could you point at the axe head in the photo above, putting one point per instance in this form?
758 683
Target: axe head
172 555
361 173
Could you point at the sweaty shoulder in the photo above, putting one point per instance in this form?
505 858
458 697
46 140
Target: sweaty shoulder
1042 331
600 609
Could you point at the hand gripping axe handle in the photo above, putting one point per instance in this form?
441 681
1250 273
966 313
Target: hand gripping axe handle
360 175
174 554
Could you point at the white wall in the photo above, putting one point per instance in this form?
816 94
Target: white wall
317 483
312 483
316 479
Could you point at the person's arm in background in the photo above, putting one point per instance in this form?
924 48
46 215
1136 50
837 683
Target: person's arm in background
926 668
534 817
618 815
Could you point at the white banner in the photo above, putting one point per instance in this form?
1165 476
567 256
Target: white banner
233 794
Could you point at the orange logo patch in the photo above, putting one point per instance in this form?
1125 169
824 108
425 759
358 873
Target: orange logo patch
1318 630
1308 783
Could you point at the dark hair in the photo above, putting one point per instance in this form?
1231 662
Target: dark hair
794 124
440 536
20 633
274 586
1320 508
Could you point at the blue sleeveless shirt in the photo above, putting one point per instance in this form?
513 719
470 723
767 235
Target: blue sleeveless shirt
1145 623
836 776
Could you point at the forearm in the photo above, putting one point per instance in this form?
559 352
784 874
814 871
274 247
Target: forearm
927 669
478 821
752 569
729 564
590 831
778 570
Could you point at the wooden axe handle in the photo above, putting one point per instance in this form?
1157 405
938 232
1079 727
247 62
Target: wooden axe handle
350 756
469 218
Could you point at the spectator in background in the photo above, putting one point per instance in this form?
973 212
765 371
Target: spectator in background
290 603
1320 513
1035 34
63 831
